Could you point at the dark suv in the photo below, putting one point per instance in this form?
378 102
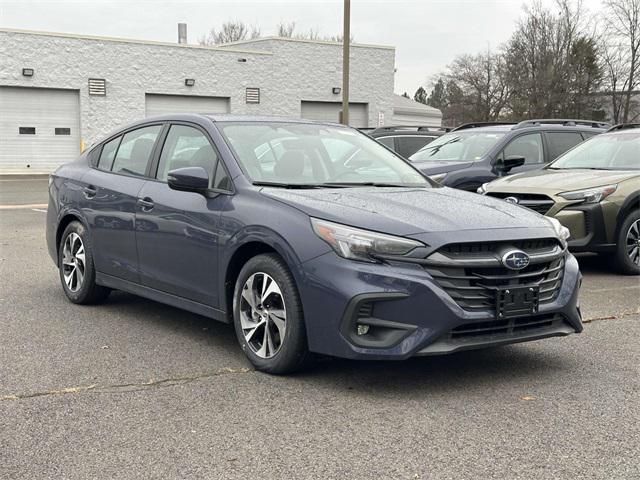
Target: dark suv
307 237
406 140
476 153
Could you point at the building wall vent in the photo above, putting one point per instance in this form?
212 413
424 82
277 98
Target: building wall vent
97 86
253 95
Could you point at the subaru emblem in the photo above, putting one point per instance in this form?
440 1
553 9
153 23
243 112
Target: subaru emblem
514 200
515 260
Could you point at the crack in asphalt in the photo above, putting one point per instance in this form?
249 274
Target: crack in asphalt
128 387
610 317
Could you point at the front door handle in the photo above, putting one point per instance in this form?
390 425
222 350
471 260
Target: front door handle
146 204
89 191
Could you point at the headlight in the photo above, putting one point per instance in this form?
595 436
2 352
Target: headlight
438 178
562 232
357 244
482 189
590 195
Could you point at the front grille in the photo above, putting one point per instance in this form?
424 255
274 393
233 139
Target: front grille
535 202
471 273
509 328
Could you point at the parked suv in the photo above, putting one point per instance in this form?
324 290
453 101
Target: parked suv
594 190
476 153
329 243
406 140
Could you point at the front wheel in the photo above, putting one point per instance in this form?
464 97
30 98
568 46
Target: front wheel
627 254
268 316
75 261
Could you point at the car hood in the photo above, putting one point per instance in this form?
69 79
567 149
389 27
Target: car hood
434 168
551 181
408 211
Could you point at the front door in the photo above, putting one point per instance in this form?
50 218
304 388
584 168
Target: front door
177 232
109 198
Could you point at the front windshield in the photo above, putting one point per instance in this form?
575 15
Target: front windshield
466 146
620 151
320 155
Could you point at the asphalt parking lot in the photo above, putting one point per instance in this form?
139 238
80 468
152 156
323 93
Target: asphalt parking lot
135 389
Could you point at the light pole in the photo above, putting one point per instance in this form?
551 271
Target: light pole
346 40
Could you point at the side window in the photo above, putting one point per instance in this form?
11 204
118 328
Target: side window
135 150
221 180
108 154
560 142
186 147
387 141
409 145
528 146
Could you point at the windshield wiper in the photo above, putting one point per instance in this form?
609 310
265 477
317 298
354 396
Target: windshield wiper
299 186
436 148
369 184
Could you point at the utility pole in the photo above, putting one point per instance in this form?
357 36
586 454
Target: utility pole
346 40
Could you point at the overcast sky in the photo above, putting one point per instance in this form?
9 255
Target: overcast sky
427 34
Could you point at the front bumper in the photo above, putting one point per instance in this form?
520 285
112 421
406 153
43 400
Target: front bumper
587 226
409 314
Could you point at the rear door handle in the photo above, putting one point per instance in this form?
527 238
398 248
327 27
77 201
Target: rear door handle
90 191
146 204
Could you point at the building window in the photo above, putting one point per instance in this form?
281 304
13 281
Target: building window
63 131
97 86
27 130
253 95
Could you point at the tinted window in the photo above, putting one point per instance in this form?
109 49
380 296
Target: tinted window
387 141
135 150
407 146
186 147
560 142
108 154
527 146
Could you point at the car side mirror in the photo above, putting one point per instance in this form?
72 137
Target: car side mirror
512 161
188 179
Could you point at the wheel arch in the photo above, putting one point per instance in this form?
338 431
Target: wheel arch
252 245
64 221
631 203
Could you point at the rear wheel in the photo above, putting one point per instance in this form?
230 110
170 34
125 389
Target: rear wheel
75 261
268 317
627 256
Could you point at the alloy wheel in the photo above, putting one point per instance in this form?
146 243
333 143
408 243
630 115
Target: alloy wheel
633 242
73 262
263 315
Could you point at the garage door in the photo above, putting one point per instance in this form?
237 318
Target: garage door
39 129
330 112
163 104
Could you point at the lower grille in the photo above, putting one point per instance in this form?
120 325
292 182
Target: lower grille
537 203
513 327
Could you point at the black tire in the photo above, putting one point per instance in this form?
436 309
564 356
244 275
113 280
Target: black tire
623 262
87 291
293 353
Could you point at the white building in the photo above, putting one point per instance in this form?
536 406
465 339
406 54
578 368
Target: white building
60 92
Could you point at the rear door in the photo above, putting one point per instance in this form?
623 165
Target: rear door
178 232
110 194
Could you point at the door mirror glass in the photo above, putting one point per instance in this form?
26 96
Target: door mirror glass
512 161
188 179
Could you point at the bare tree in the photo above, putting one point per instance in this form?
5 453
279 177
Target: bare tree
285 29
622 54
230 31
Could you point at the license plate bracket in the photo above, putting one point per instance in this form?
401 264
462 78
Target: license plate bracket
517 301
